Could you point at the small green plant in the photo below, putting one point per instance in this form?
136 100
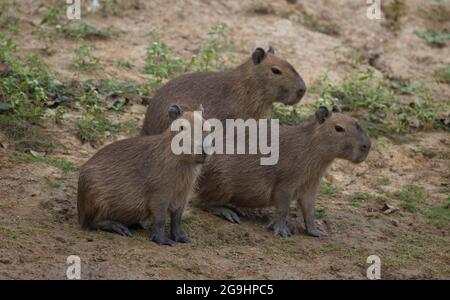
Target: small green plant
411 196
26 85
383 181
125 64
212 57
324 27
59 115
161 63
381 199
442 75
94 124
85 59
328 189
290 115
320 213
82 31
55 183
63 165
439 216
393 11
433 38
376 103
52 17
359 197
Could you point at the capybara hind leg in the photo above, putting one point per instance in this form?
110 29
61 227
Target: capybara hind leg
112 226
176 233
225 212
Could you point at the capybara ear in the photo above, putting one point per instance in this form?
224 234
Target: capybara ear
200 108
175 111
322 114
258 55
271 50
336 109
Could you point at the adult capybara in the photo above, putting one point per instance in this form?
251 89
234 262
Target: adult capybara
305 153
138 179
247 91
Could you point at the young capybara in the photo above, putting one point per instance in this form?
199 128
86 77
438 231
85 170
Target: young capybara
247 91
138 179
305 153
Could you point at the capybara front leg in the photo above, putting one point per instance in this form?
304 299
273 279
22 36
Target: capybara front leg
175 227
308 204
279 224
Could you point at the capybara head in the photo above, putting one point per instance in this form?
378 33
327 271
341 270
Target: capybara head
188 134
278 78
342 134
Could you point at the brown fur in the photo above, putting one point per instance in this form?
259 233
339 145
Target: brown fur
247 91
306 151
132 180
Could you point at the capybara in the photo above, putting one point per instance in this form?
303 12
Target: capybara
305 153
247 91
134 180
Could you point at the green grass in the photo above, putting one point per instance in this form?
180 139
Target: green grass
328 189
289 115
412 197
376 103
324 27
381 199
85 59
125 64
26 85
393 12
54 183
442 75
83 31
9 233
63 165
382 181
359 197
320 213
342 249
440 215
433 38
162 64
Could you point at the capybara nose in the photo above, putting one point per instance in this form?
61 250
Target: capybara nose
366 146
301 92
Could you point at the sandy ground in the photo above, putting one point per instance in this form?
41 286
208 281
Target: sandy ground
38 224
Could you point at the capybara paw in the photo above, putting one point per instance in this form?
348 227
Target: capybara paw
226 213
121 229
281 230
164 241
161 239
317 232
182 239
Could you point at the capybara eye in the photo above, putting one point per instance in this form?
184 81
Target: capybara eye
276 71
339 128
